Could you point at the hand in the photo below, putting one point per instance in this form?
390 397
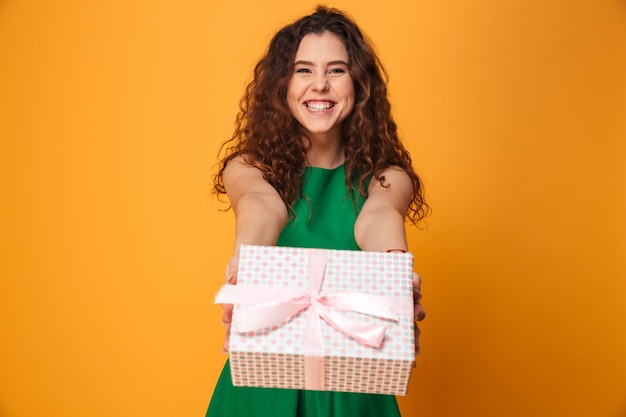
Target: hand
227 316
418 309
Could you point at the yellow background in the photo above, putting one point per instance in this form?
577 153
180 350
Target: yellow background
111 248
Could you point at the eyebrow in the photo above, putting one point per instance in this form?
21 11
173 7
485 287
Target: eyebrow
339 62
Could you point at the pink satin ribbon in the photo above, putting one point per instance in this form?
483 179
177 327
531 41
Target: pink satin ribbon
270 306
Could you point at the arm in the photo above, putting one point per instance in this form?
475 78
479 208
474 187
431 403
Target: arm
380 225
260 213
260 216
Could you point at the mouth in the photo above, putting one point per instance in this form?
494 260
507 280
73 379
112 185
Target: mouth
319 106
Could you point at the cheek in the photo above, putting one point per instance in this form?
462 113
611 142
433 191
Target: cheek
295 110
350 97
292 97
295 89
292 102
348 91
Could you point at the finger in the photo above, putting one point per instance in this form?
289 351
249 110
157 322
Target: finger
417 280
226 338
418 312
231 274
227 322
417 337
227 314
417 295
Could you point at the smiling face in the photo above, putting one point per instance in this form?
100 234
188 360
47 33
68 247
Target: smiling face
320 94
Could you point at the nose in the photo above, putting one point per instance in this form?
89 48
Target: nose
320 83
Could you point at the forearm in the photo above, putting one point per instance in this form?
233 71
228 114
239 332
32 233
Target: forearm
259 220
380 230
380 224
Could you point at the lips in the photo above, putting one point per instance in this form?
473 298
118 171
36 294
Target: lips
319 106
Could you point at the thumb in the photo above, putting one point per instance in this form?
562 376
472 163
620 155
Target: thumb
231 270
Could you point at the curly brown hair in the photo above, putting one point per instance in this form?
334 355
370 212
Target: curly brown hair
270 138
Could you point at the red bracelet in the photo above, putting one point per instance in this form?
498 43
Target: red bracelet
396 250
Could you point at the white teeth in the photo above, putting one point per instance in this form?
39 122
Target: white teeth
319 106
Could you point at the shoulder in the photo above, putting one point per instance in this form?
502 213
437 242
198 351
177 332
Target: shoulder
392 178
241 177
238 163
392 187
241 168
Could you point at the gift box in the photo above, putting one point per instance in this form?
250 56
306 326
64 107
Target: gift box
332 320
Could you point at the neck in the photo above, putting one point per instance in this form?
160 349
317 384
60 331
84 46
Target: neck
325 152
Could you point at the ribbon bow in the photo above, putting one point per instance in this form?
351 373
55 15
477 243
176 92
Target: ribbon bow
271 306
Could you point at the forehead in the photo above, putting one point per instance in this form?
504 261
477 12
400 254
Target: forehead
322 47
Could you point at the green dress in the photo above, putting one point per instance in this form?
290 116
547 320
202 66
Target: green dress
324 219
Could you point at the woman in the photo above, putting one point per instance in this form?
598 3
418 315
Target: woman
315 161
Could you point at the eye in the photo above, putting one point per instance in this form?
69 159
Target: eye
303 70
337 71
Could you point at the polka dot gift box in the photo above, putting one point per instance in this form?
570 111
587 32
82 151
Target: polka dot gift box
320 319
